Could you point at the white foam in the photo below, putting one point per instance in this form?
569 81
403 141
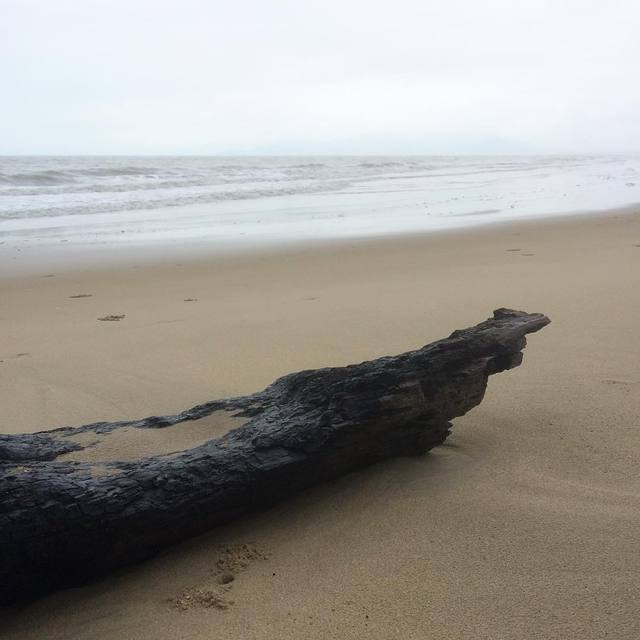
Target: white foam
233 202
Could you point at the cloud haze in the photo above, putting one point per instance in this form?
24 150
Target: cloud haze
319 76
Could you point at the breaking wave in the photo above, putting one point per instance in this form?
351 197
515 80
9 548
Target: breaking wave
59 186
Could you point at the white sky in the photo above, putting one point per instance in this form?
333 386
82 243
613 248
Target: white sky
319 76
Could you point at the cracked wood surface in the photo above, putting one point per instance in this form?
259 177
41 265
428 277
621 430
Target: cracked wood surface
66 521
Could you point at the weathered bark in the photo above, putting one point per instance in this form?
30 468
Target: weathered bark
60 525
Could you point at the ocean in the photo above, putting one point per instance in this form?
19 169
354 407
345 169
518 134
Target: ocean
90 201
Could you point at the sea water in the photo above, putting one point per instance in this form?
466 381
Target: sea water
235 201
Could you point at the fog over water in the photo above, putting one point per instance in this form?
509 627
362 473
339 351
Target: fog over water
211 77
145 122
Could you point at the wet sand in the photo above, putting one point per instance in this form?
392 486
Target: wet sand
524 525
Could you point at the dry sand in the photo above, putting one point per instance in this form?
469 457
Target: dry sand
132 444
525 525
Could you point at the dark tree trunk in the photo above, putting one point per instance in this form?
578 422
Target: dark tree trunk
61 525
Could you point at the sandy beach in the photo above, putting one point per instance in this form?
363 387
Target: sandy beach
524 525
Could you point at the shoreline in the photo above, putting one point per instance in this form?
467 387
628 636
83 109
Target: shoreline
73 258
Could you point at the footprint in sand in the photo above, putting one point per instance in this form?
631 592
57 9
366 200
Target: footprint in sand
112 318
82 295
214 594
17 355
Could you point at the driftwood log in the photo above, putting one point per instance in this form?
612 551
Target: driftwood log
61 524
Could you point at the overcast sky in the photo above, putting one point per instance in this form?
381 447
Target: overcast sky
319 76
